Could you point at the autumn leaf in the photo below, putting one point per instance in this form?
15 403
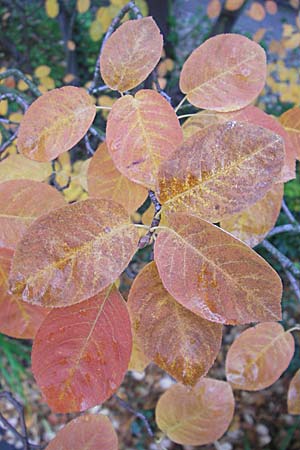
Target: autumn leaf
55 122
17 167
130 54
259 356
196 416
180 342
142 131
198 178
294 394
21 202
18 319
84 371
72 253
227 72
290 120
88 432
105 181
215 275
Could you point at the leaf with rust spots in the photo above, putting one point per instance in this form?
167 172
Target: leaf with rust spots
130 54
254 223
18 319
204 120
88 432
221 172
72 253
81 353
215 275
226 73
259 356
105 181
55 122
290 120
180 342
294 394
21 202
196 416
142 132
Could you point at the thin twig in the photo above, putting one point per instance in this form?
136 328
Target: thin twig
88 146
145 240
294 284
12 96
287 228
136 414
20 75
8 141
288 213
285 262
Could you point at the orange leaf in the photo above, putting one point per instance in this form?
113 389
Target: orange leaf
17 318
105 181
21 202
291 122
142 131
196 416
220 278
131 53
225 73
81 353
205 119
256 12
183 344
254 223
233 5
294 394
199 177
259 356
55 122
88 432
213 8
17 167
271 7
72 253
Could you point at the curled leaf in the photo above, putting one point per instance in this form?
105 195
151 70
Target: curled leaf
72 253
225 73
259 356
215 275
81 353
55 122
180 342
196 416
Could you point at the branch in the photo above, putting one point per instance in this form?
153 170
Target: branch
288 213
20 409
285 229
14 97
285 262
136 414
8 142
21 76
130 6
145 240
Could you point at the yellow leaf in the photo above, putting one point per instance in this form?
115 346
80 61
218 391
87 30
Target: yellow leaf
42 71
48 83
16 117
96 31
83 6
52 8
287 30
22 86
3 107
292 42
103 17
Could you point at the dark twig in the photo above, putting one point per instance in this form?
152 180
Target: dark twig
130 6
21 76
88 146
285 262
145 240
12 96
20 409
294 284
136 414
8 141
53 182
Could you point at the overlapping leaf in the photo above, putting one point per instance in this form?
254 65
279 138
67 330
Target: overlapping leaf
131 53
180 342
203 120
73 253
294 394
215 275
17 167
142 131
87 349
88 432
221 173
259 356
254 223
196 416
105 181
55 122
291 122
21 202
18 319
225 73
